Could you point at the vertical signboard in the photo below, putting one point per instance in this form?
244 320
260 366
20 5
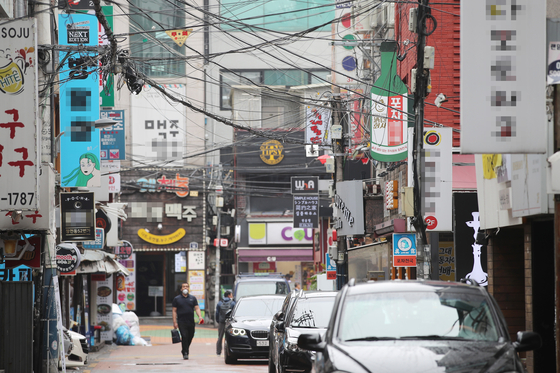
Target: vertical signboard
437 179
105 309
446 261
404 250
159 127
196 283
77 217
19 133
471 257
503 71
318 125
306 211
389 108
126 296
112 138
80 165
349 208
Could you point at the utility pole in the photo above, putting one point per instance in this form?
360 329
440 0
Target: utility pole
422 77
341 264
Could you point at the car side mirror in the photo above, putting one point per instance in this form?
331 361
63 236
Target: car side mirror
311 342
228 314
279 316
527 341
280 327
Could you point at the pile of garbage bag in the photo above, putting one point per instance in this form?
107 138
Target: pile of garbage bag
126 328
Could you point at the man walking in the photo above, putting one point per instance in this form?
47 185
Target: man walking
184 307
222 308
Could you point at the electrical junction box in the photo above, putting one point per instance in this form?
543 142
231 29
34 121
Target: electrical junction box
429 57
412 19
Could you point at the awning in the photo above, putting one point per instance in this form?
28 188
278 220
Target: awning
275 254
464 172
97 261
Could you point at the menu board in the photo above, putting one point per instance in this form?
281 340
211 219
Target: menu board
104 293
196 282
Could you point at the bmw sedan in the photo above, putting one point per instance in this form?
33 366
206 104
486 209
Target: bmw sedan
310 311
246 330
417 326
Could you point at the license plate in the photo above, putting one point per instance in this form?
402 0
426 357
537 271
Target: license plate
262 343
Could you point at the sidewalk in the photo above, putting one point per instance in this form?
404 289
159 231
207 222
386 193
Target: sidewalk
157 330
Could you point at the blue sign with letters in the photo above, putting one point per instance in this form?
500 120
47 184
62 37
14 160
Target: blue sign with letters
112 138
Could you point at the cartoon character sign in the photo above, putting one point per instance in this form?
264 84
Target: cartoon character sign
88 174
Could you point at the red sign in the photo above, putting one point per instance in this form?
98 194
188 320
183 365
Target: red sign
404 261
331 275
431 222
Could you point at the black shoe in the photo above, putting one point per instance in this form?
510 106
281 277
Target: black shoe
186 356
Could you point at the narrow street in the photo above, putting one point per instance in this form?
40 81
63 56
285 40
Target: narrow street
163 356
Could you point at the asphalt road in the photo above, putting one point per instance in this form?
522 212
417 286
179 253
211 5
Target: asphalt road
163 356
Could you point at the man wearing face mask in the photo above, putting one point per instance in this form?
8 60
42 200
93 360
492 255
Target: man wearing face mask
184 307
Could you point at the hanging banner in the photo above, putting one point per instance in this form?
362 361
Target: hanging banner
318 125
437 179
80 165
19 133
503 76
389 110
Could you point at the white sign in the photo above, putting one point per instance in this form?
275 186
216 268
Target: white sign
528 185
196 260
19 134
503 99
286 234
159 127
437 179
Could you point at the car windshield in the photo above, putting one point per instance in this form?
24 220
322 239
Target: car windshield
258 308
260 288
312 313
417 315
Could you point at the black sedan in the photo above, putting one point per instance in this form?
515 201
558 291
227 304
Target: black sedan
417 326
246 335
308 311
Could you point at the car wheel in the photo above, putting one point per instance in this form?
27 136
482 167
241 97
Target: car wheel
229 359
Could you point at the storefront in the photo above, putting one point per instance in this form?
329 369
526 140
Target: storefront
273 245
166 226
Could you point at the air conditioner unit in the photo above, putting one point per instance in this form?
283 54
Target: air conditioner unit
365 15
389 11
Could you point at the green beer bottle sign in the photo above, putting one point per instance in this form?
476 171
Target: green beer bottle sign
389 108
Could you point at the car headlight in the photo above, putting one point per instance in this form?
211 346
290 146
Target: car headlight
237 332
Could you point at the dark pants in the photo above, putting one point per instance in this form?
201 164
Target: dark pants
187 334
221 330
